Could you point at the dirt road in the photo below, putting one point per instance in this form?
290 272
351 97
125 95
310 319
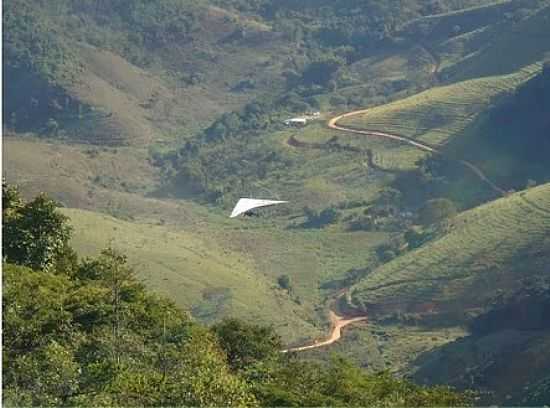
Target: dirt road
337 324
333 124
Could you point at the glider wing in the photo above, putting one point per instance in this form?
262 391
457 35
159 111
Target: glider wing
247 204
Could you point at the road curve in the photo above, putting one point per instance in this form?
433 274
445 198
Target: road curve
337 324
333 124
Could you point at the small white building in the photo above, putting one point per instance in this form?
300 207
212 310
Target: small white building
297 122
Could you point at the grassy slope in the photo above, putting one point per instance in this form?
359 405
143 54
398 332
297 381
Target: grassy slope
477 59
343 176
456 273
190 261
185 266
157 101
507 51
89 176
446 117
438 114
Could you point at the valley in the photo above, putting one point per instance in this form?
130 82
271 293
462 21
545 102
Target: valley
419 199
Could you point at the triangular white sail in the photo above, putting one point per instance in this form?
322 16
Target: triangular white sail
247 204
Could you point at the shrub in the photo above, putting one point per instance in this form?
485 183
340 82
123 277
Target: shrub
436 210
284 282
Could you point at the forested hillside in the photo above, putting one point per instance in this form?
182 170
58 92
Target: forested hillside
131 68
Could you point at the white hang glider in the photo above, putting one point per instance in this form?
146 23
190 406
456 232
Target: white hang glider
245 205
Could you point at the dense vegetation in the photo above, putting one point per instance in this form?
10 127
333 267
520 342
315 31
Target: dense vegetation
87 333
185 101
47 42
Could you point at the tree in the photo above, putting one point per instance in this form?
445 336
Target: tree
246 344
216 132
329 216
11 199
284 282
416 237
436 210
320 71
52 127
292 78
38 369
316 219
337 100
191 177
390 198
111 270
59 343
35 234
363 223
341 383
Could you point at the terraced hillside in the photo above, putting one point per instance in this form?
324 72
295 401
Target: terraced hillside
485 251
438 114
510 46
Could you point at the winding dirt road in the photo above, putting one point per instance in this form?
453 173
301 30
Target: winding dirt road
337 324
333 124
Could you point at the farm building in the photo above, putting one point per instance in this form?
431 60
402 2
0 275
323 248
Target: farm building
297 122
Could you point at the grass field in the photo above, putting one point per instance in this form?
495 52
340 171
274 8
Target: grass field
200 275
503 241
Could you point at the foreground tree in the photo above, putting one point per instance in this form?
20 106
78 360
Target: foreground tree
246 344
35 234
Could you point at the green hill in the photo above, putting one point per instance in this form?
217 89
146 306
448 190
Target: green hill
148 120
86 332
135 73
440 113
135 81
216 268
453 277
508 49
198 274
